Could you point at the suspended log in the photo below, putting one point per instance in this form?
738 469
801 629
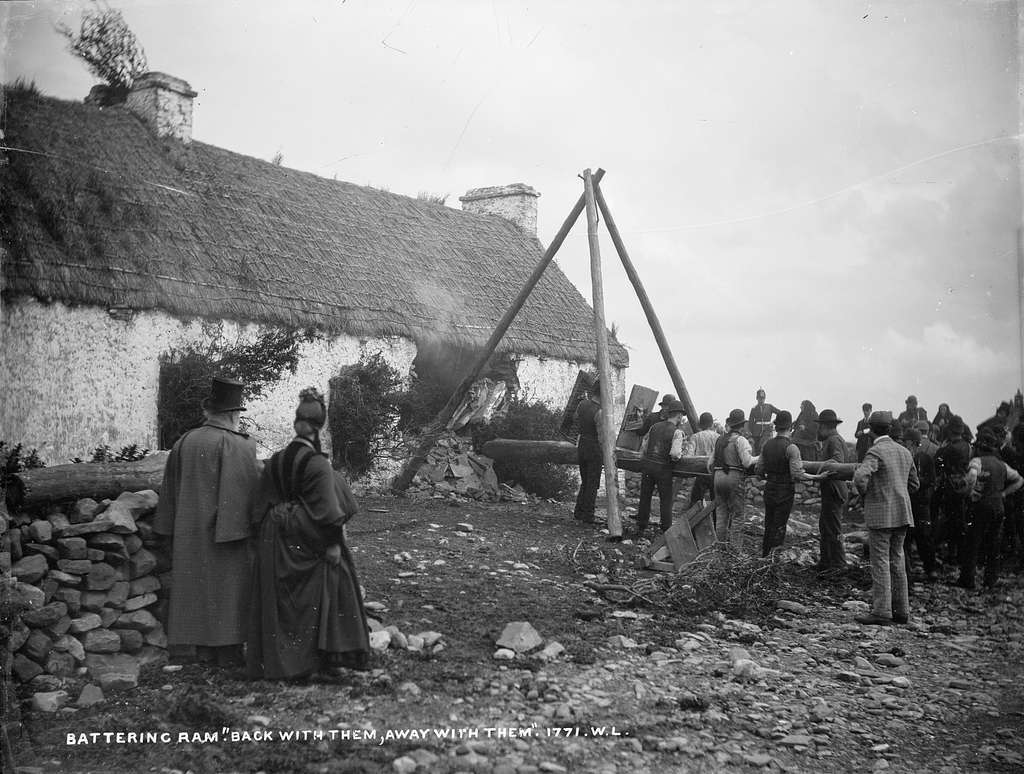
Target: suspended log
97 480
564 453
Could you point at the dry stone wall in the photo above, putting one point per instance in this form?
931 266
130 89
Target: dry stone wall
89 587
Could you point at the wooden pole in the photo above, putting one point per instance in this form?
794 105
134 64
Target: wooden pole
437 426
645 302
603 365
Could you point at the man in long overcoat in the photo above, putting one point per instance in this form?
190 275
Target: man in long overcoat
209 481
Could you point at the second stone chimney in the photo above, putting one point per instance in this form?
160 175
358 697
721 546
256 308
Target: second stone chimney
164 103
516 202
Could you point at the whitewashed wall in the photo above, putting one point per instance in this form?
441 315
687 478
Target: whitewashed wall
550 381
72 378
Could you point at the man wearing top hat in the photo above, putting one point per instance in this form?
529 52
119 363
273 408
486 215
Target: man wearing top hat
729 463
664 446
209 480
780 464
833 494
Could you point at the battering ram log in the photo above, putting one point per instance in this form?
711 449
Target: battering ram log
564 453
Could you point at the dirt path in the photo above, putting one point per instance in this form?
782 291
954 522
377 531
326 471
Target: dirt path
636 688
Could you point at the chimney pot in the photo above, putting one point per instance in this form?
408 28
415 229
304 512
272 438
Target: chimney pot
164 103
516 202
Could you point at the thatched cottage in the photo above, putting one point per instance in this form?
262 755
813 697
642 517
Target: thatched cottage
122 236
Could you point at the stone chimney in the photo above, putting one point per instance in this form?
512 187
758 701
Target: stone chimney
516 202
164 103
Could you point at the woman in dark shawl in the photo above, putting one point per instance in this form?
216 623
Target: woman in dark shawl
307 612
805 431
940 422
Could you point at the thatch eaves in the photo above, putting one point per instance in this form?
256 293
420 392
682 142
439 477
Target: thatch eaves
97 210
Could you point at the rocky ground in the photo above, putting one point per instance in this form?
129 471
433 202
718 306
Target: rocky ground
783 679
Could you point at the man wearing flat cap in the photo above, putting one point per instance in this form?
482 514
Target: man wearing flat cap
664 446
885 480
833 494
209 480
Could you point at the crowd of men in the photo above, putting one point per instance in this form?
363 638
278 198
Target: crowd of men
931 483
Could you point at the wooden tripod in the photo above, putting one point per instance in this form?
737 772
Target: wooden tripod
592 201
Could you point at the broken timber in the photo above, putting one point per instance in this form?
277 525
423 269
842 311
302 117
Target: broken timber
440 422
680 543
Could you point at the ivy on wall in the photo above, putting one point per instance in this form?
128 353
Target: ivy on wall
186 373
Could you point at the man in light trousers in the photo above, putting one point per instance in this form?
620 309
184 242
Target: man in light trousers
885 480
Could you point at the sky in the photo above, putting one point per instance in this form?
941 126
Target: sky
821 199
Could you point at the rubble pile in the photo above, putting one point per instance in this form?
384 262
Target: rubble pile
454 470
87 591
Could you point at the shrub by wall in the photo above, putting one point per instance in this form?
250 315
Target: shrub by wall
531 420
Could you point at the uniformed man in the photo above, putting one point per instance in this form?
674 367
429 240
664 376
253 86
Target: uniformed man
760 423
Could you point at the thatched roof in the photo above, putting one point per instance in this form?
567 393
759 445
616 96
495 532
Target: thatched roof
97 210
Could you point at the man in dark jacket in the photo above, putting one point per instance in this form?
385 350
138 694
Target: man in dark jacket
833 495
588 453
657 416
949 504
209 481
780 463
991 481
921 505
664 446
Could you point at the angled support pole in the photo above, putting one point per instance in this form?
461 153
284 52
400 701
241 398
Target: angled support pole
603 364
430 435
645 302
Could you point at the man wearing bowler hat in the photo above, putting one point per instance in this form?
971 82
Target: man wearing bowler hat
208 484
782 467
831 556
664 446
657 416
729 463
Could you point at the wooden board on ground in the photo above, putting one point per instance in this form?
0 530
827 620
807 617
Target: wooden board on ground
676 546
638 407
568 428
702 524
681 546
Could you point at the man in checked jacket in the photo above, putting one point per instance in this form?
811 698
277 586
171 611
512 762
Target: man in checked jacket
885 480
